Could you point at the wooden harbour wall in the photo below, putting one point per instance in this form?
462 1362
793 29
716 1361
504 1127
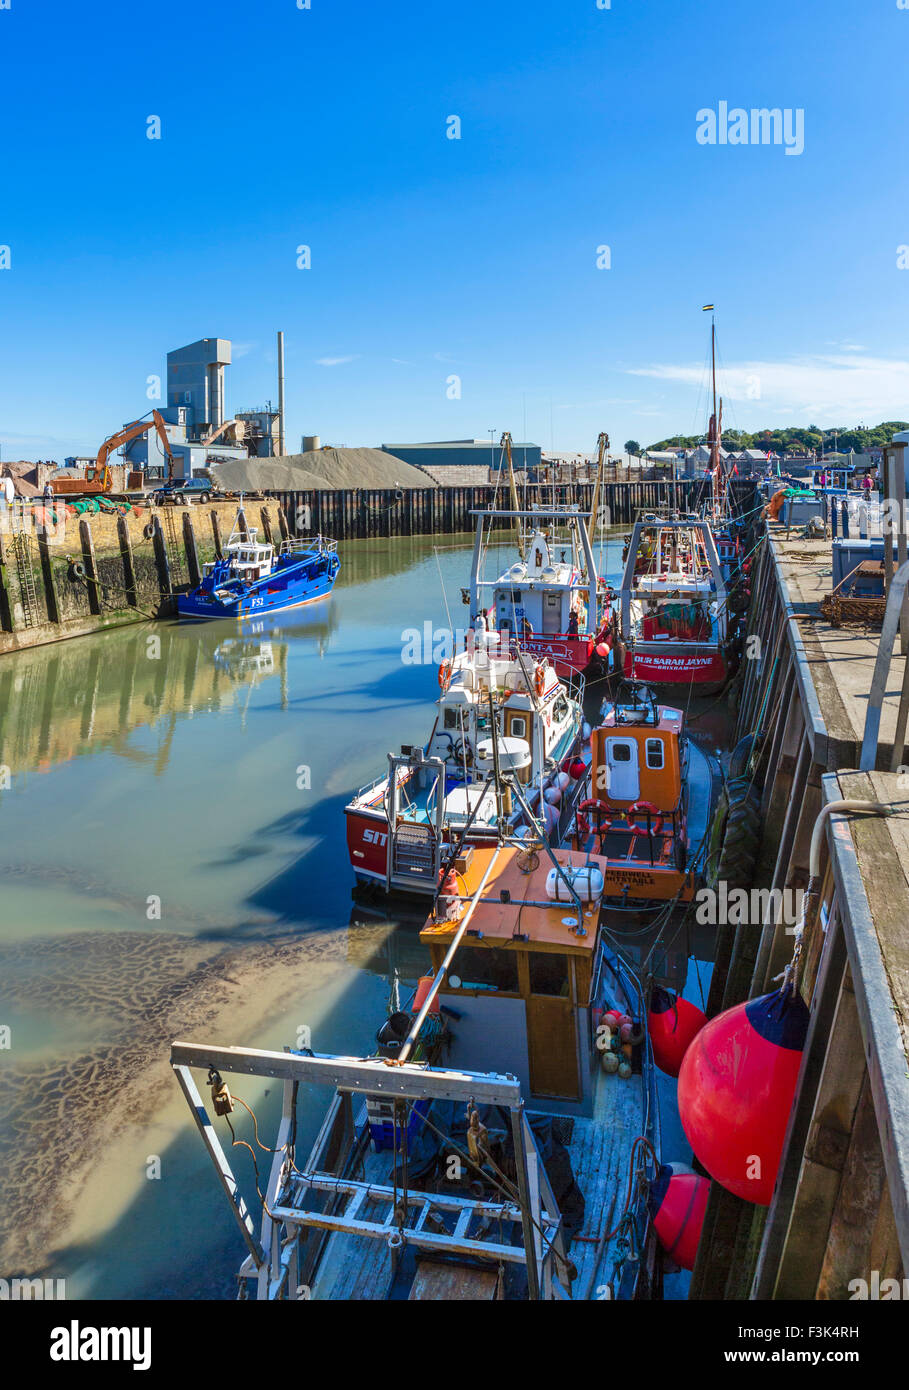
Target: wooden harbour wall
840 1210
103 571
364 513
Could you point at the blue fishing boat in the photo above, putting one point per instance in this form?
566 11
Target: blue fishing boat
252 578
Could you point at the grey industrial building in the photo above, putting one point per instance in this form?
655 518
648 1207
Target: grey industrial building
460 453
195 411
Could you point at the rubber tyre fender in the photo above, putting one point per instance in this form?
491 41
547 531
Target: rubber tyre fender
735 835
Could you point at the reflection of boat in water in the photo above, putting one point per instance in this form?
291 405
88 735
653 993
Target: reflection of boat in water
245 658
251 577
75 698
502 1141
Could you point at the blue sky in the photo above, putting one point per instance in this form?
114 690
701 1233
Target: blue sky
432 257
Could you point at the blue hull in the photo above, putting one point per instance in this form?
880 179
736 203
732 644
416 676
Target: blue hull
272 595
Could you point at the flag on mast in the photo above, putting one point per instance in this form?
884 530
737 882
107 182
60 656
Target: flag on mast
705 307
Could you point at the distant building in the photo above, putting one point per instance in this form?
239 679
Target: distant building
195 410
453 453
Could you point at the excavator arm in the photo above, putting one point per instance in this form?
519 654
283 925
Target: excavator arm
101 472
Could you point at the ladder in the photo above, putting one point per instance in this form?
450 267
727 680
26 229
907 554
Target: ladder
26 578
414 848
174 551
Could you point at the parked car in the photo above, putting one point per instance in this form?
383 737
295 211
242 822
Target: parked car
198 489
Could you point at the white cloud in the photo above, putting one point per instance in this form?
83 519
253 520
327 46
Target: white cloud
836 388
336 361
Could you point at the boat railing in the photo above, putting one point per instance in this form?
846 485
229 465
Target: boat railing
301 544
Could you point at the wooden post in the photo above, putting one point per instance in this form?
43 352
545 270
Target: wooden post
91 569
126 559
6 607
282 524
241 522
266 525
47 571
162 565
192 554
216 535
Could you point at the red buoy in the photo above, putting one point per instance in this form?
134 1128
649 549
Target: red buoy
672 1023
677 1204
736 1087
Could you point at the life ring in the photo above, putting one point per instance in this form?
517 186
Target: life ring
77 569
656 824
582 827
444 676
594 804
148 530
539 679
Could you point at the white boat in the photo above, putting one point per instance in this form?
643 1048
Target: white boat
446 788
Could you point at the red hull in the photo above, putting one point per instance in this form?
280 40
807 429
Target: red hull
569 655
698 668
367 842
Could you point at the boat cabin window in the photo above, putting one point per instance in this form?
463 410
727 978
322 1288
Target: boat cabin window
560 709
621 752
654 753
516 596
549 974
486 968
518 726
451 718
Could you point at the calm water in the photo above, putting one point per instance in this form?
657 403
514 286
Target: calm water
176 793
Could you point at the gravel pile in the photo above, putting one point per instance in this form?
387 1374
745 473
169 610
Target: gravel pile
320 468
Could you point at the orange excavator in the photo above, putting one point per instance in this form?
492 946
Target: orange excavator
98 477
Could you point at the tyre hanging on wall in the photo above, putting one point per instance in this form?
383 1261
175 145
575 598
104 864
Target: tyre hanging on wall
735 836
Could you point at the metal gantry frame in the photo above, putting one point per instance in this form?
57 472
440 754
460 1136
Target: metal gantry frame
570 514
659 524
273 1260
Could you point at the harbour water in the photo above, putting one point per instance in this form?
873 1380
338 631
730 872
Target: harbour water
173 857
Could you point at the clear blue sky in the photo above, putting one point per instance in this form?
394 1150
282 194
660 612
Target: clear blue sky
431 256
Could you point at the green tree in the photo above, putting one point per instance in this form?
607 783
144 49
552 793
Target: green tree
632 446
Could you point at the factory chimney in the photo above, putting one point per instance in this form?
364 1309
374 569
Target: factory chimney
281 435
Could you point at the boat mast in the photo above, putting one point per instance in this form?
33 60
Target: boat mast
715 428
513 488
602 446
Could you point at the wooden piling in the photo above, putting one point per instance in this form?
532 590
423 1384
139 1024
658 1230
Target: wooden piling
126 559
91 568
192 554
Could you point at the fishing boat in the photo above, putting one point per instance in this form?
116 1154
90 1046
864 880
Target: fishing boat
636 817
251 577
499 708
674 618
502 1141
682 587
550 598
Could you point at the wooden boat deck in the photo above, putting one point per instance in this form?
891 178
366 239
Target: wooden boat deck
361 1267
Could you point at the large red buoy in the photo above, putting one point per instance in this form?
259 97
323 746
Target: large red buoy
736 1087
672 1023
677 1204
